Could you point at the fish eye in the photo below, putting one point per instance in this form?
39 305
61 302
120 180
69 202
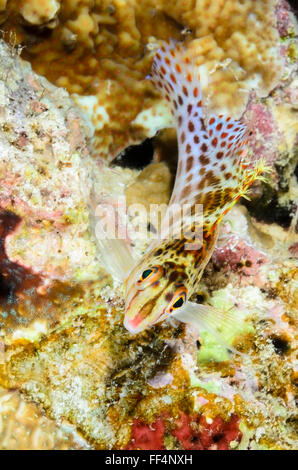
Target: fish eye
149 276
146 274
178 300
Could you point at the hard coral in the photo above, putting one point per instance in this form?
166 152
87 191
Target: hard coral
44 172
102 52
23 426
39 12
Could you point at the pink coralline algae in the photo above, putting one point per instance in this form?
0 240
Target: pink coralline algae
237 255
192 432
265 132
294 250
283 17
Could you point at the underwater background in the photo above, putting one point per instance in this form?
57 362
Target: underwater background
81 125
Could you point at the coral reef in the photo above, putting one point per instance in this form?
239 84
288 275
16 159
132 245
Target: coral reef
101 52
86 100
23 427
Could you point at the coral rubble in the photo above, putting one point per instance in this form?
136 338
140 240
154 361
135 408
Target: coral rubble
83 101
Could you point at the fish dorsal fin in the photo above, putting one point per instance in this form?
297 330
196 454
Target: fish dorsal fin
214 168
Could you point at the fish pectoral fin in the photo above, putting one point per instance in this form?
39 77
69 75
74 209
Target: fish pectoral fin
222 325
115 255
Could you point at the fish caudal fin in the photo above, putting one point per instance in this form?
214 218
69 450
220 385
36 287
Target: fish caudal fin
172 74
215 167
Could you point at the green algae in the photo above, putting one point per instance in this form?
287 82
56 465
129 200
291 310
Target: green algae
212 350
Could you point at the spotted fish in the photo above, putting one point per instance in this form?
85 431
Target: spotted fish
214 169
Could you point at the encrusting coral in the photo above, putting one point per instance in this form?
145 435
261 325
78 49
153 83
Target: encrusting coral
62 340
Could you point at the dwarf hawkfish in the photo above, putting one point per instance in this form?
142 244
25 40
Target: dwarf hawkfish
215 170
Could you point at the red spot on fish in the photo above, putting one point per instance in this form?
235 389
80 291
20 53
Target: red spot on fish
173 78
184 89
191 126
195 92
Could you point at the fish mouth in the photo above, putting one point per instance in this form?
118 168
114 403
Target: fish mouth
138 323
133 326
129 325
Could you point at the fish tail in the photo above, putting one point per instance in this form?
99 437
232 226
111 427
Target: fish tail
173 75
215 166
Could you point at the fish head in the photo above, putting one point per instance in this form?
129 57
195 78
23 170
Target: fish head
153 293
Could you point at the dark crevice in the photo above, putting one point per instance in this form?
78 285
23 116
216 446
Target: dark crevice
268 209
13 277
296 172
281 345
136 156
